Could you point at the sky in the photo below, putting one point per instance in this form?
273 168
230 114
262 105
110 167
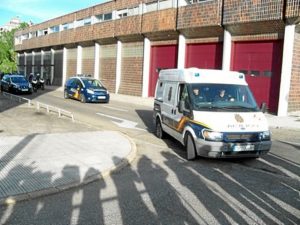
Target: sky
39 11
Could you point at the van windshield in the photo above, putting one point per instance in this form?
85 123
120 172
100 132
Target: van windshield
222 97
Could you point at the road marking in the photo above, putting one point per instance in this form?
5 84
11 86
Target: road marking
114 108
124 123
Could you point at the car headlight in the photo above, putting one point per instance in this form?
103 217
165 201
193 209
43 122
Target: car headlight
29 85
265 136
107 92
212 135
89 91
16 85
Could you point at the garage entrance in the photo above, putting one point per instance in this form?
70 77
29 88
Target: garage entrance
162 57
261 63
204 56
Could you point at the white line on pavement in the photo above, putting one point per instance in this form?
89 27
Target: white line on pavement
124 123
114 108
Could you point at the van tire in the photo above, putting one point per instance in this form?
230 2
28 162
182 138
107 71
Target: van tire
159 131
190 147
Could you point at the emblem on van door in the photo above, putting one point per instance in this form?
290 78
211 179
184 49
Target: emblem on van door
238 118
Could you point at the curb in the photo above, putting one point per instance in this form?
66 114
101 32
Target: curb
11 200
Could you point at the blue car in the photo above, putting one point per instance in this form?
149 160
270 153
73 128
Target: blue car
86 89
15 84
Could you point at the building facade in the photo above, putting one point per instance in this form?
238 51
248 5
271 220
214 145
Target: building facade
125 43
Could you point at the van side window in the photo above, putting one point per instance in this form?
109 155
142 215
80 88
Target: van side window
170 94
184 96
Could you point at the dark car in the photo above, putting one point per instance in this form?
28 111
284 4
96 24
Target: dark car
15 84
86 89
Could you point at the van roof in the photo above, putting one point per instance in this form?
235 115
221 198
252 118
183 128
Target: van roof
195 75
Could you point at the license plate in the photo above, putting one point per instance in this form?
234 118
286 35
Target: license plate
24 89
101 97
238 148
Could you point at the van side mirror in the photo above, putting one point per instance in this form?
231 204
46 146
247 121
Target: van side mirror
263 107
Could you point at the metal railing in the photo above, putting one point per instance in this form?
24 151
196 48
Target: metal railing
39 106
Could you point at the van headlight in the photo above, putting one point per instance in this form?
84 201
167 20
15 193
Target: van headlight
265 136
212 135
89 91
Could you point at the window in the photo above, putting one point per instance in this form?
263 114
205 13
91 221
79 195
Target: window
67 26
197 1
254 73
122 13
87 21
54 29
99 18
79 23
133 11
108 16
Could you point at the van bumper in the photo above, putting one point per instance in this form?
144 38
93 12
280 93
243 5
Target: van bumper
228 150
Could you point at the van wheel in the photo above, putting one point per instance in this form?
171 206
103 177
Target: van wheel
190 147
159 131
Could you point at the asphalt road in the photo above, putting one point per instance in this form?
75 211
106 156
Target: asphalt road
161 187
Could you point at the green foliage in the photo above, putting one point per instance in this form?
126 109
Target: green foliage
8 57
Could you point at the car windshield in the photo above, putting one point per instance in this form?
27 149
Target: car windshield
18 79
222 97
92 83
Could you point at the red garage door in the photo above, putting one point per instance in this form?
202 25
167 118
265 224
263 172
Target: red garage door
162 57
261 62
205 56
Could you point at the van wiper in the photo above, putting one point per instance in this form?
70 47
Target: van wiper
239 107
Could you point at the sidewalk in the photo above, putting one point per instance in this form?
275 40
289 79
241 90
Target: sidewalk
41 154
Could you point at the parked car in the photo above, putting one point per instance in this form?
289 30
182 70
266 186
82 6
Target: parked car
15 84
86 89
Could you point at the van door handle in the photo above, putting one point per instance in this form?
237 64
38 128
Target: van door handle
174 111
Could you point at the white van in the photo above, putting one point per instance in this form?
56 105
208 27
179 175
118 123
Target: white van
211 112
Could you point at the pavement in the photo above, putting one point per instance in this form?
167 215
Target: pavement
42 154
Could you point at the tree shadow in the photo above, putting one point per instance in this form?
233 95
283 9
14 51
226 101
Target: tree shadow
240 193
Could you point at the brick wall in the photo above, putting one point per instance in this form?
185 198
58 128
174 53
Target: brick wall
292 11
241 11
128 26
132 69
71 62
196 15
156 21
294 97
107 64
88 60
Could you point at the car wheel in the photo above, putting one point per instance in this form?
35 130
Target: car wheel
190 147
66 96
159 131
82 99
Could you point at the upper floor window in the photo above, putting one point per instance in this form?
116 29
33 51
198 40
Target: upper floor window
67 26
197 1
122 13
79 23
54 29
103 17
87 21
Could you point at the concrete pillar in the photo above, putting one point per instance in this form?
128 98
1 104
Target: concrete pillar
119 65
52 66
42 63
226 51
286 69
25 64
65 57
97 58
32 68
181 52
79 60
146 67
